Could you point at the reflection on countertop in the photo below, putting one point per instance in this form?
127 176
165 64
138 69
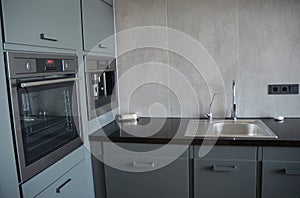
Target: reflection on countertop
166 130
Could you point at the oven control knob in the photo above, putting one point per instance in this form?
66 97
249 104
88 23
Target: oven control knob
28 66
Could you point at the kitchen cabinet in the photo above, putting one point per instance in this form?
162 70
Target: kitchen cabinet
9 183
143 179
280 172
98 27
226 171
110 2
69 185
54 23
70 167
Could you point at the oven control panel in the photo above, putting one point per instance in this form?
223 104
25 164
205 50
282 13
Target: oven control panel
23 64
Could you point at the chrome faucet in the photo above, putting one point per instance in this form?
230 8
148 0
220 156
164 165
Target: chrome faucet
234 109
209 114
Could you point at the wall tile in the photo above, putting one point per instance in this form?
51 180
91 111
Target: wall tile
135 13
142 57
144 82
214 24
255 42
268 53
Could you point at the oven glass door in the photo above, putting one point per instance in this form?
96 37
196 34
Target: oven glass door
48 118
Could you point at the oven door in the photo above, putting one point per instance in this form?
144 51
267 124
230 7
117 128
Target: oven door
46 121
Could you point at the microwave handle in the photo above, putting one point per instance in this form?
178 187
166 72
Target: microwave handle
47 82
104 84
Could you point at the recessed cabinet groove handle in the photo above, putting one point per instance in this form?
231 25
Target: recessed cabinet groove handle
292 171
223 168
44 37
143 165
102 46
61 186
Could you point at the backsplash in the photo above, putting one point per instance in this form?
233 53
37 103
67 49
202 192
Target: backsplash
192 49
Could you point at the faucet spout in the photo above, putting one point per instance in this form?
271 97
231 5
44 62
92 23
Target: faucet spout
234 105
209 114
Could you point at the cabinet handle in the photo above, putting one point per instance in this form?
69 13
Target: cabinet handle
61 186
143 165
102 46
223 168
291 171
44 37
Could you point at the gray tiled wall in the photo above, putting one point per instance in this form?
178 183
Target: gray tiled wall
199 47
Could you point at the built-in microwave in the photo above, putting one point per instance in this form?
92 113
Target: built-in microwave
100 75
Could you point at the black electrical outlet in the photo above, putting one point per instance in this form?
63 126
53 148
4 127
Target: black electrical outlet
284 89
274 89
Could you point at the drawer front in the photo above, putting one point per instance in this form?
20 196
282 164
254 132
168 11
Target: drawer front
280 179
169 181
227 152
145 150
216 178
281 154
41 181
72 184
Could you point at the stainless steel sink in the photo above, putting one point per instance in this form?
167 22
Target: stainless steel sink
229 128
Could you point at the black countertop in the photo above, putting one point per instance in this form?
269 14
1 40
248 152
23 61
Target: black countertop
171 130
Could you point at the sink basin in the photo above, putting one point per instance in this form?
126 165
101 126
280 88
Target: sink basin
229 128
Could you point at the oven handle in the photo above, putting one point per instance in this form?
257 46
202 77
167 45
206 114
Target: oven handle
47 82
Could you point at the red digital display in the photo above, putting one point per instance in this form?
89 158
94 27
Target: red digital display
50 62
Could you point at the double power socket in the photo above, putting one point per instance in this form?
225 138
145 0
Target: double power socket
283 89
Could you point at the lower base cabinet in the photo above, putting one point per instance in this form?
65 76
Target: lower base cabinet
281 172
66 178
69 185
168 181
226 171
281 179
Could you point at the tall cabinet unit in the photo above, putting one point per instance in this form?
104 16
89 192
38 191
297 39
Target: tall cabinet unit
8 168
43 23
98 27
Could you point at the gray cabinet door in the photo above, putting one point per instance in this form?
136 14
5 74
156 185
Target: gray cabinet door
169 181
54 23
98 27
146 174
225 171
72 184
280 179
224 178
280 172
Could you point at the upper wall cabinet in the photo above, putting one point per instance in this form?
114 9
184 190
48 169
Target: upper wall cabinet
98 27
54 23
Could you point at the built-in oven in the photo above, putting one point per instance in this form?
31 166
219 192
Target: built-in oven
44 107
100 85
